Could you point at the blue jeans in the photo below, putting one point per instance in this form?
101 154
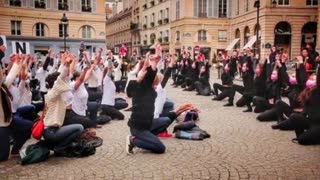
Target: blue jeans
167 107
62 137
92 111
148 140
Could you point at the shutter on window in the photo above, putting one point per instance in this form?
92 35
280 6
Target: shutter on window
94 6
229 8
210 8
32 3
71 5
6 2
195 8
23 3
215 8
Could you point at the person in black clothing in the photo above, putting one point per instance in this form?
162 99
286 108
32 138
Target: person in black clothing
297 85
203 86
258 88
226 88
307 124
194 76
278 80
143 107
247 88
233 63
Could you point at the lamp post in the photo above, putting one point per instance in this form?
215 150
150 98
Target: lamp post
64 22
257 5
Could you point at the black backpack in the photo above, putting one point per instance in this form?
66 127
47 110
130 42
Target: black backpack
80 148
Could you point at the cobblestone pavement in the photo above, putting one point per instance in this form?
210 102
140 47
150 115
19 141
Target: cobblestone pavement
239 148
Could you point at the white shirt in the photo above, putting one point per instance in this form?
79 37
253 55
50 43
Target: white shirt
160 100
67 97
117 72
100 75
93 81
80 99
109 91
25 93
41 75
14 90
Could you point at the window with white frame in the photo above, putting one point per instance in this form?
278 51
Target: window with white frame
178 9
283 2
167 13
222 35
40 31
200 8
312 2
202 35
41 4
86 5
86 32
222 8
63 5
16 28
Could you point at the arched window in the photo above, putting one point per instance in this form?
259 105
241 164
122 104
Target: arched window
202 35
87 31
309 34
40 30
282 38
246 34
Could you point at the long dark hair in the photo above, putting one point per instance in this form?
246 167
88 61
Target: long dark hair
305 95
6 98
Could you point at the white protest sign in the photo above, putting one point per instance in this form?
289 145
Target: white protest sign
3 40
20 47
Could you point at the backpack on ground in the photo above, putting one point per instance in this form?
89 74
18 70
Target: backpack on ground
34 153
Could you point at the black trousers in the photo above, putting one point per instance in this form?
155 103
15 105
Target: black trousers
94 94
225 92
307 133
120 85
261 104
202 89
240 89
190 84
73 118
180 79
111 111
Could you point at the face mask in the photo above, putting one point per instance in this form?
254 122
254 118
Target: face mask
258 71
274 77
226 68
310 83
193 66
202 70
244 69
293 81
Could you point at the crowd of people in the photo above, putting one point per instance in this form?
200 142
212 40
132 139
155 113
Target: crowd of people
288 95
77 93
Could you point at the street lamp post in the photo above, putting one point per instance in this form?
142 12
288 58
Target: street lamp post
64 22
257 5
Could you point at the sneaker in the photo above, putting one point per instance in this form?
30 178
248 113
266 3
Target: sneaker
275 126
165 135
295 140
129 145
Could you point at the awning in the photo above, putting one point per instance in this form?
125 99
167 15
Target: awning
251 41
232 44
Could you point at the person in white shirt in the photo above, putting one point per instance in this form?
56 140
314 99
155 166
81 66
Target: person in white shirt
76 114
110 106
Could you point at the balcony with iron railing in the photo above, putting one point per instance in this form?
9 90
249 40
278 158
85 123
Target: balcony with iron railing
152 3
145 42
152 24
145 26
203 15
145 6
160 40
160 21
